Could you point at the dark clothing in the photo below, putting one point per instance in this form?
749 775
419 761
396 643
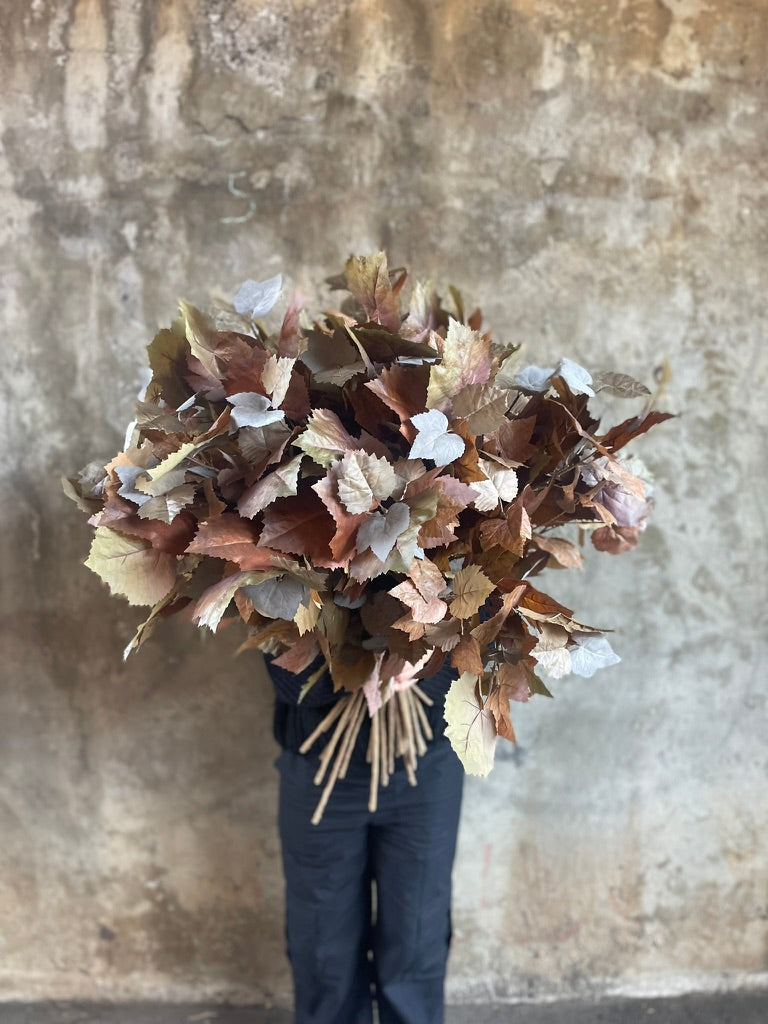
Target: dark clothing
345 946
407 847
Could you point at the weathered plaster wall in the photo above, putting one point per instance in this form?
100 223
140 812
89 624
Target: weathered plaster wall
593 174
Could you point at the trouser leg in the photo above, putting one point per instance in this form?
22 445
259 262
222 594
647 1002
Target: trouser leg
328 887
413 846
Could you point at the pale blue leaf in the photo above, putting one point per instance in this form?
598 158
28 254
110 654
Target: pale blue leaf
250 409
534 378
576 377
434 441
256 298
591 653
278 598
380 531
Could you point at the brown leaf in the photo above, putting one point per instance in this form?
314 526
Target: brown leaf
235 539
350 666
367 278
167 354
513 438
616 540
300 654
445 634
241 364
173 537
300 525
423 609
466 359
624 432
470 589
498 704
510 533
541 605
487 631
404 390
343 541
467 467
130 567
290 343
466 657
563 551
516 680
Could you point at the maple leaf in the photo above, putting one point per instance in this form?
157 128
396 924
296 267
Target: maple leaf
379 531
510 533
325 438
363 480
131 567
471 728
299 526
563 551
233 538
513 438
281 483
484 407
500 485
470 589
202 337
498 705
434 440
253 410
466 359
466 656
213 602
367 278
344 541
167 354
255 299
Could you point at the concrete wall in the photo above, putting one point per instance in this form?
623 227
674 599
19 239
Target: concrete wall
594 176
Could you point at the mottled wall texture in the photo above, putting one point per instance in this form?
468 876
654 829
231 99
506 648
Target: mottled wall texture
593 174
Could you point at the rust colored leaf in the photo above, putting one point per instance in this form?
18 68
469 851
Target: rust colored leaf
624 432
300 654
172 538
498 704
563 551
466 656
513 438
235 539
510 533
301 526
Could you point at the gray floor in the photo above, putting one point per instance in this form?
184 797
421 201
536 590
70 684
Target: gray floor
734 1008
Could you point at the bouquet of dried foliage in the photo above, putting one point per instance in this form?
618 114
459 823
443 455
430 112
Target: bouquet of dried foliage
374 487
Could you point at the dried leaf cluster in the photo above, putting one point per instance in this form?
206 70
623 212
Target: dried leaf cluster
377 486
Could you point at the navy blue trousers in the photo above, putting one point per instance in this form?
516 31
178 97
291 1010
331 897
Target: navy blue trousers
348 948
